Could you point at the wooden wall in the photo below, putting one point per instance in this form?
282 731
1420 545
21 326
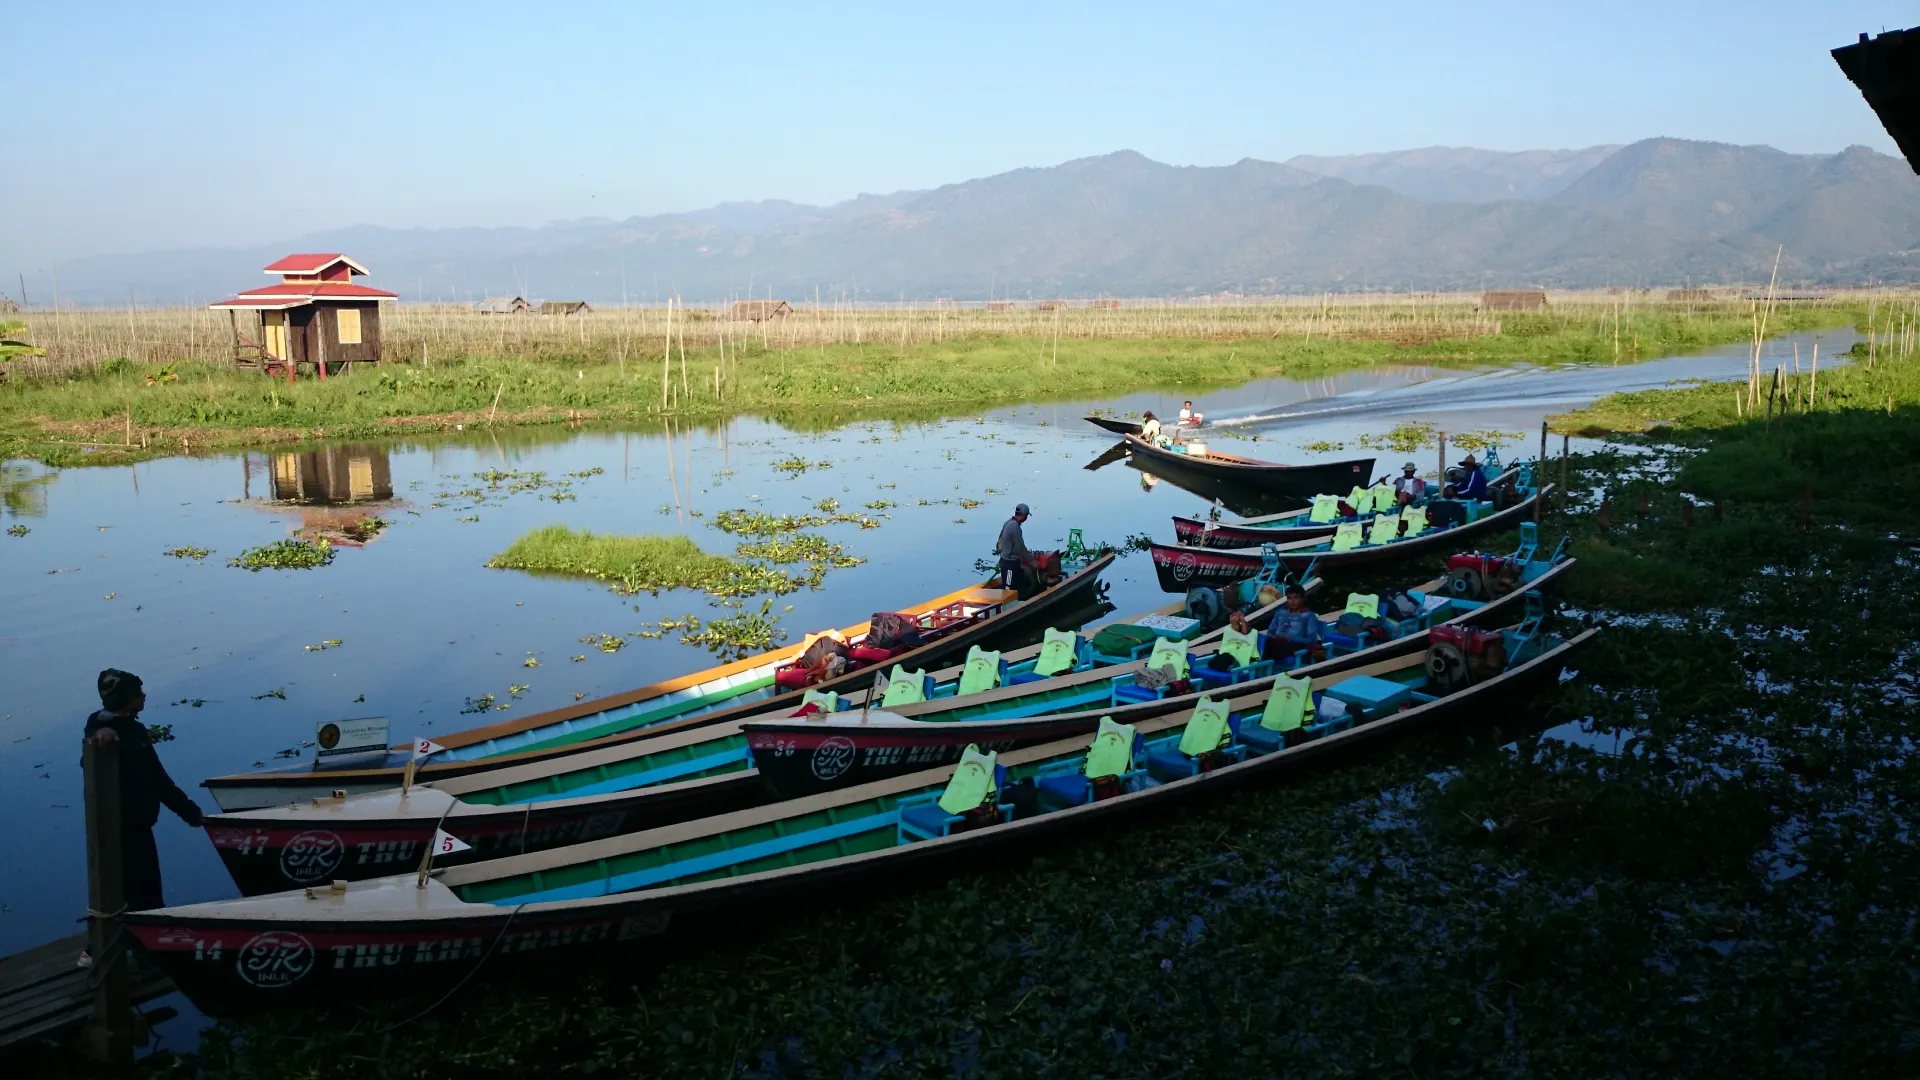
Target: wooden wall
314 333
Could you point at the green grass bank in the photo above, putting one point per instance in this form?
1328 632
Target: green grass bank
122 410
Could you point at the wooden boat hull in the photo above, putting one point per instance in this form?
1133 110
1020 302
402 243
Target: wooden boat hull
796 757
1192 532
1180 568
1131 427
303 781
392 937
1263 477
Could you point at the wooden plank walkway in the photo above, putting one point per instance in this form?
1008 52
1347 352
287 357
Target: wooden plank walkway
44 990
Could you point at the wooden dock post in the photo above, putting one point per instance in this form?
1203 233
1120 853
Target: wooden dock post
1440 478
108 1036
1543 445
1562 493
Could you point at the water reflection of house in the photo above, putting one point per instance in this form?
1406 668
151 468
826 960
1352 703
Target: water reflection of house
332 476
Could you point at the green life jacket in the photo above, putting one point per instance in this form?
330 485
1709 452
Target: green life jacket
1112 751
1244 648
1365 605
1207 730
828 702
981 673
1058 650
1325 509
1290 705
972 785
1169 653
1415 519
1385 499
1347 536
1385 529
904 687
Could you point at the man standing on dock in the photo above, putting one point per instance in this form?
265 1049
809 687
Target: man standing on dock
144 785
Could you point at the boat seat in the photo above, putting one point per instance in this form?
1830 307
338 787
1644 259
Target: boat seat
1205 744
1107 771
1371 696
1208 677
971 797
868 655
1289 708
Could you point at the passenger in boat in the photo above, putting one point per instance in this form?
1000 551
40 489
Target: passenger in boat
1150 427
1472 486
1408 487
1012 548
1294 627
144 785
1188 417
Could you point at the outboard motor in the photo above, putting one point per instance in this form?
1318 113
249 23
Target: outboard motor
1206 605
1481 577
1458 656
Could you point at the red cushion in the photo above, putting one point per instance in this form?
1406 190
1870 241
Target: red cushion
863 654
793 678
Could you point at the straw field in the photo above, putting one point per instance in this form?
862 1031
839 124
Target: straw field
75 341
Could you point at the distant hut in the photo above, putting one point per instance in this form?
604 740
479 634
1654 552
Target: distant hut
564 307
1049 305
8 307
1689 296
503 305
1000 305
761 310
1513 300
316 316
1109 305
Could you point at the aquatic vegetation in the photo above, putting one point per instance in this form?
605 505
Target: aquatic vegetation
743 634
530 662
606 643
188 552
580 658
794 465
366 528
584 473
969 504
160 732
516 689
1324 446
18 530
284 555
827 506
756 523
330 643
1404 439
1476 441
478 704
277 692
882 504
634 564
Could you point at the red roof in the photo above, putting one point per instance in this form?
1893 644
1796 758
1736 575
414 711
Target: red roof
293 294
312 263
321 290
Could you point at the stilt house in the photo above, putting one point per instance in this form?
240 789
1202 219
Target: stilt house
314 317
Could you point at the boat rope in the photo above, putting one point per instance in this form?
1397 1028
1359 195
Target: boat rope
464 979
526 819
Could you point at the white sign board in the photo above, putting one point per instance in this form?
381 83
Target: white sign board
1434 602
1170 623
338 738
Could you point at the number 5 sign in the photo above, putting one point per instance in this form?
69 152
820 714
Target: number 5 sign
445 843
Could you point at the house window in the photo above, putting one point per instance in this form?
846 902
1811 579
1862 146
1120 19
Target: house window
349 326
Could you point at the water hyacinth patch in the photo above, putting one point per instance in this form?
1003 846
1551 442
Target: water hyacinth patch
285 555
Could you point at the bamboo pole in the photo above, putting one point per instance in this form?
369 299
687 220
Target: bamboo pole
108 1037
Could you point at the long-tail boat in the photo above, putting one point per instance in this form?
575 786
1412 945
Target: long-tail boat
1321 518
1353 544
800 756
625 785
435 929
1197 459
947 625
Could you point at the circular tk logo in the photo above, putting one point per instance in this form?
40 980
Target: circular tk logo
833 757
1183 565
329 736
311 856
275 959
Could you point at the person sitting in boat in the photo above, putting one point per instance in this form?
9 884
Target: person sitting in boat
1188 417
1150 427
1012 548
1408 487
1472 485
1294 627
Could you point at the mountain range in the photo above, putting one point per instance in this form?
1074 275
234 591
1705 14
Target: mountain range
1656 212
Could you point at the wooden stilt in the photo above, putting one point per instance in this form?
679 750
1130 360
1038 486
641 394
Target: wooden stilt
108 1036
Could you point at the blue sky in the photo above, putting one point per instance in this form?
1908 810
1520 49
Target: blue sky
140 126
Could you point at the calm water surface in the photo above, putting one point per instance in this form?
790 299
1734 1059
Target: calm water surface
423 625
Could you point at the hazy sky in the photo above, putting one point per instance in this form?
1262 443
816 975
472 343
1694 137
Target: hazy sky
138 126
